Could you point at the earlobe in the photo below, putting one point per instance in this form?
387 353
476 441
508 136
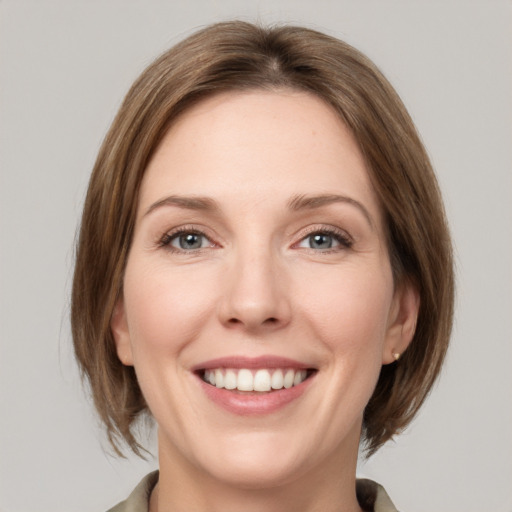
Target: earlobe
401 322
121 334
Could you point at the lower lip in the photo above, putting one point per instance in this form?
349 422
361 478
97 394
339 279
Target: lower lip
254 403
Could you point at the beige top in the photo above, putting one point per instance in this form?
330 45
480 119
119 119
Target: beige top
371 496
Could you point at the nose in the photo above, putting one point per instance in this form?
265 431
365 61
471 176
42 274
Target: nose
255 296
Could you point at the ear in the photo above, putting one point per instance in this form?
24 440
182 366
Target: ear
402 319
121 333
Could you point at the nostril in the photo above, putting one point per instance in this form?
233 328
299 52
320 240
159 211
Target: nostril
269 321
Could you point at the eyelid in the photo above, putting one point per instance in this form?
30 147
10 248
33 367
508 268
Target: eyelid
341 235
344 238
165 240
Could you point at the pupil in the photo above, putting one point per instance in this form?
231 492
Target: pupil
190 241
321 242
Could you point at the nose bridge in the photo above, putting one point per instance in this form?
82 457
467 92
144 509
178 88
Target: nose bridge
255 294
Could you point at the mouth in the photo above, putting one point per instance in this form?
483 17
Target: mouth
260 380
254 386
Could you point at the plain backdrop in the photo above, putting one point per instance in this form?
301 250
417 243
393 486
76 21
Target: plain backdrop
65 66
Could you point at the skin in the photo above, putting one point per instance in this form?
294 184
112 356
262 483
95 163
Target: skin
259 286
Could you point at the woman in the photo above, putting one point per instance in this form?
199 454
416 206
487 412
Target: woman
265 268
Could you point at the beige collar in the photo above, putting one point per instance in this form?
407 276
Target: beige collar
371 496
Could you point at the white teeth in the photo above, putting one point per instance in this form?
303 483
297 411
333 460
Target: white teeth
277 380
261 380
230 380
219 379
299 377
288 379
245 380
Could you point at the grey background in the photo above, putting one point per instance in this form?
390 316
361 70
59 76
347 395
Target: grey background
64 68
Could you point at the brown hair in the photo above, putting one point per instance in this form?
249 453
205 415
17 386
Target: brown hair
237 56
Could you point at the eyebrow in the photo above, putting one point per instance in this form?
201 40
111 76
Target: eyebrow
185 202
301 202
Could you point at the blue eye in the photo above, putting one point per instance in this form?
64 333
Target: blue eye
321 241
186 241
325 240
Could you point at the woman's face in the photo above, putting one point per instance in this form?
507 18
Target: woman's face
258 260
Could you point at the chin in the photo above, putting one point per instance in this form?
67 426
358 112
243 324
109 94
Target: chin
254 473
258 460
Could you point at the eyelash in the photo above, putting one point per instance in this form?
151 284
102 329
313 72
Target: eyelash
168 238
340 236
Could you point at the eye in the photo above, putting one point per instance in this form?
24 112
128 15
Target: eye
325 240
186 241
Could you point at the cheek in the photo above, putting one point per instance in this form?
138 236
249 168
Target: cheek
351 312
166 308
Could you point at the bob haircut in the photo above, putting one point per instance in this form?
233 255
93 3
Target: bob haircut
240 56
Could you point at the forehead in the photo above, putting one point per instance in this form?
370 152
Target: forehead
252 144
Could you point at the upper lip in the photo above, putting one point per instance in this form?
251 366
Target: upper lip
265 361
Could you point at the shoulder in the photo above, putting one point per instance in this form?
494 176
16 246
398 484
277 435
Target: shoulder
372 497
138 501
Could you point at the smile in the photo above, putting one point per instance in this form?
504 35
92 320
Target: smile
260 380
254 385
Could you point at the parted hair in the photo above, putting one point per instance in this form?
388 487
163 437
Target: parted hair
241 56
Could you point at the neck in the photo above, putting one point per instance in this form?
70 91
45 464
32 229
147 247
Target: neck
184 488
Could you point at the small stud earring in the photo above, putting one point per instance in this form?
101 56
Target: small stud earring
396 355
